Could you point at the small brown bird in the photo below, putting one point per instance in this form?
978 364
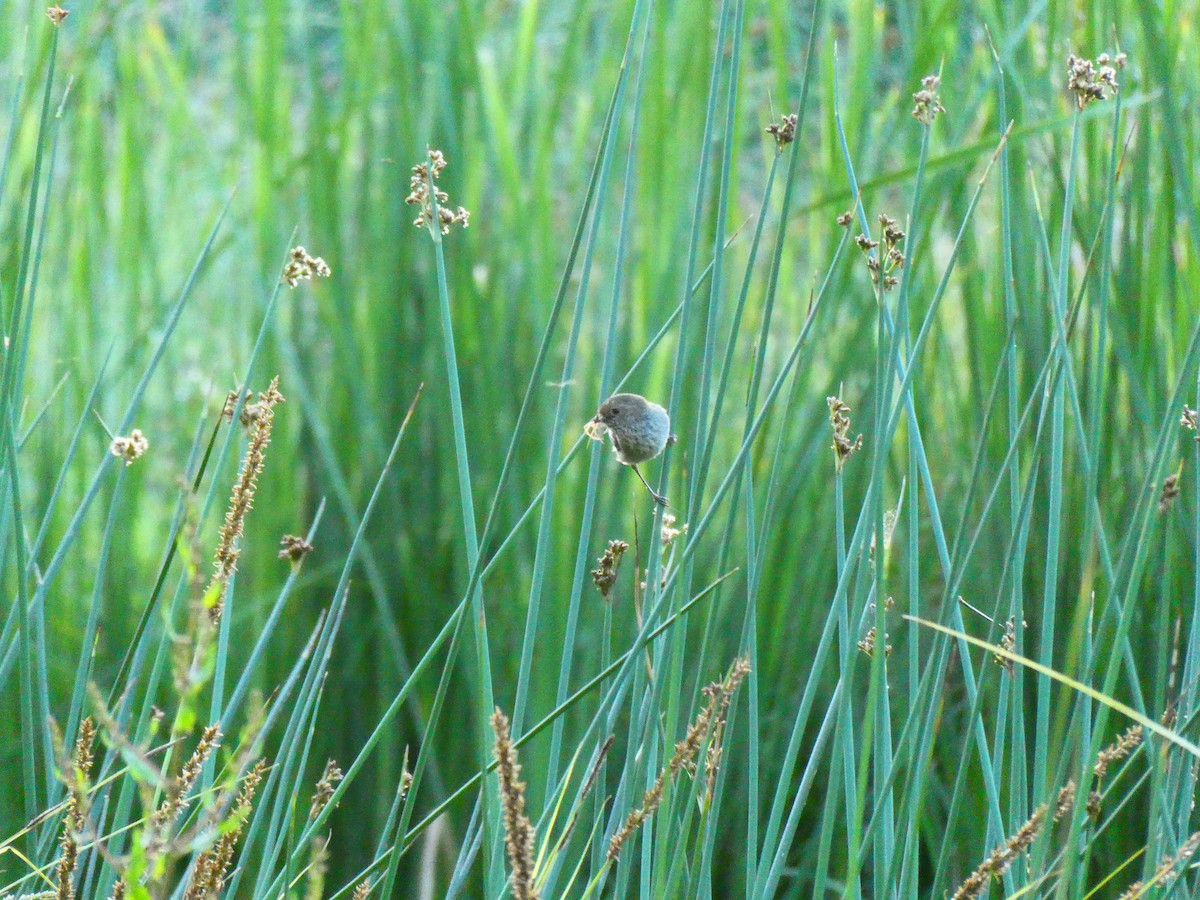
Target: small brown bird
640 431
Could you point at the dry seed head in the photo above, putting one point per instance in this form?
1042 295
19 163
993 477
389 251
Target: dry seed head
231 402
242 497
1189 420
130 448
867 644
362 890
845 219
330 779
1002 857
212 865
518 831
424 179
784 131
926 102
843 447
1091 81
303 267
176 799
718 695
1170 490
57 14
669 531
1009 642
294 548
605 575
1166 871
76 776
712 759
1114 752
883 267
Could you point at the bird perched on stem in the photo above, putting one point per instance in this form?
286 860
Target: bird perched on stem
640 430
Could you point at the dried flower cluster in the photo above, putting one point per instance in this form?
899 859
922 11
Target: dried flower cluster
1091 81
75 773
293 547
302 267
1170 490
926 102
843 447
669 531
846 218
784 131
57 14
1009 642
1003 856
892 258
242 497
1167 870
330 779
707 721
176 800
362 890
212 865
1115 752
518 831
423 181
1191 421
867 644
604 576
130 448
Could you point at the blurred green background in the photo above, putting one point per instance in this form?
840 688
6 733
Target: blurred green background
310 116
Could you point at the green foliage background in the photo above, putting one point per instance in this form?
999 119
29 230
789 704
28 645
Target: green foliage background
310 115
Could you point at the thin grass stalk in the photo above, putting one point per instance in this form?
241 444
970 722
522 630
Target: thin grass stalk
280 837
885 435
582 553
1018 766
771 876
542 548
667 657
87 647
10 388
29 261
1076 863
1133 561
902 338
665 863
316 823
1189 703
455 620
904 404
752 399
703 435
594 188
559 710
494 867
258 651
1041 773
